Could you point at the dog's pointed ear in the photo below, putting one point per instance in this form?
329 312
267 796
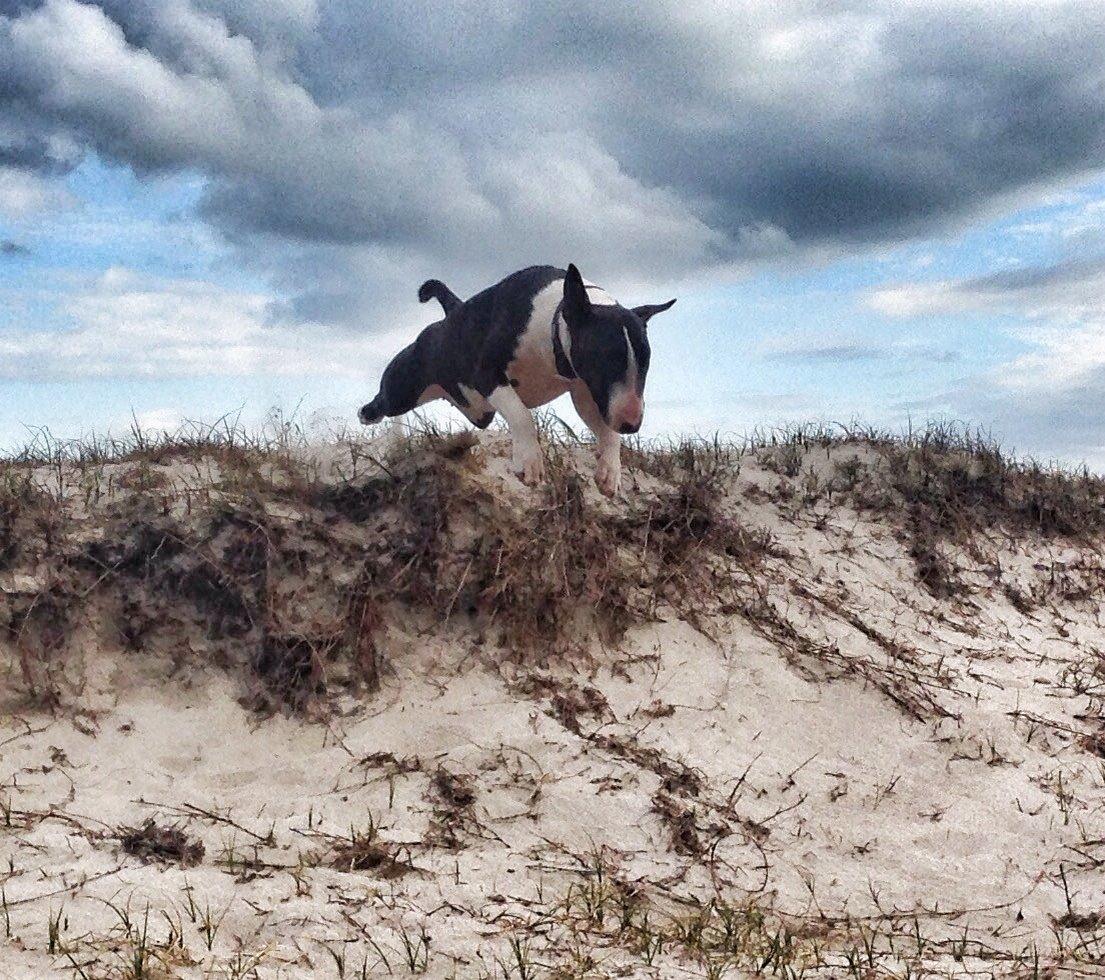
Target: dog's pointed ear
647 312
577 304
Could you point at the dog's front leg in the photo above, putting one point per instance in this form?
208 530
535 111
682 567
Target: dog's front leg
528 462
608 473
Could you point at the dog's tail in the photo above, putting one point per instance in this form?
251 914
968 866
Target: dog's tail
436 289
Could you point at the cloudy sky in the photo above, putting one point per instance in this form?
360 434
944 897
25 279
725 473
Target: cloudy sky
882 211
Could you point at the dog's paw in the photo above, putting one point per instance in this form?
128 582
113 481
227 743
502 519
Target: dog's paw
530 469
608 476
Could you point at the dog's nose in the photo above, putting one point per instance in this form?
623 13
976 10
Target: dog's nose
630 413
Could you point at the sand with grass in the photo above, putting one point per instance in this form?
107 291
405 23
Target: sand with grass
818 705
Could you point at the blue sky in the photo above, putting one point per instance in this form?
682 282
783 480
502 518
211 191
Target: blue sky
884 213
783 342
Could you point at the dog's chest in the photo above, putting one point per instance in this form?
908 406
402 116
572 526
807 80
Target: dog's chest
533 367
532 370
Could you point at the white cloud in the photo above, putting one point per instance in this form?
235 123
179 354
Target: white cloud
574 191
26 195
915 299
1047 399
227 110
157 420
128 325
1078 223
1058 311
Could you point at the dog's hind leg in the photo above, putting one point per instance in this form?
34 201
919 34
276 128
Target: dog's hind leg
528 462
375 411
401 388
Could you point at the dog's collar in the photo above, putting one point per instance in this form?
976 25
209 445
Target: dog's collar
564 366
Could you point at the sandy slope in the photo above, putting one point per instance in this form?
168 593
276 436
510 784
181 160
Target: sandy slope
899 791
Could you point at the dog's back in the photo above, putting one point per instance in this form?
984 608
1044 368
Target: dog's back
478 338
464 356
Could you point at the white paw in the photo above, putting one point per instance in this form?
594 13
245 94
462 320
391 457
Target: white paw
530 468
608 476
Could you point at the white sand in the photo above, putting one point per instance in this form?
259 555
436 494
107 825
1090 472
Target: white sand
961 822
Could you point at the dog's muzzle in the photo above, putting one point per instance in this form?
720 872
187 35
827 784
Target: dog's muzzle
627 413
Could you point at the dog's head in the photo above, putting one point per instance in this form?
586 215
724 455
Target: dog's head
609 351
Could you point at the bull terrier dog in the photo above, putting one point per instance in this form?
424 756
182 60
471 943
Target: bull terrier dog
521 343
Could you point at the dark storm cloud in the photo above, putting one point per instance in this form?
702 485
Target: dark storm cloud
13 8
644 141
871 125
26 154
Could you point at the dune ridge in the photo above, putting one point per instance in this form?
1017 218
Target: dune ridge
824 703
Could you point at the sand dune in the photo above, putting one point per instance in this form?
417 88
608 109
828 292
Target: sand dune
824 707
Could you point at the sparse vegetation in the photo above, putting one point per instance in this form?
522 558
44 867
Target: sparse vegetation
637 811
947 485
251 547
365 850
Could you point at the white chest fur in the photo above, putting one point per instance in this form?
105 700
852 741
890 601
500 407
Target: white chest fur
533 368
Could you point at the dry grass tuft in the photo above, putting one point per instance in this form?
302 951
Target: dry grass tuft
676 778
454 797
454 790
364 851
568 702
164 845
680 822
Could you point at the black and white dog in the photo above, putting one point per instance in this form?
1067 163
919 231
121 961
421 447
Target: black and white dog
519 344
